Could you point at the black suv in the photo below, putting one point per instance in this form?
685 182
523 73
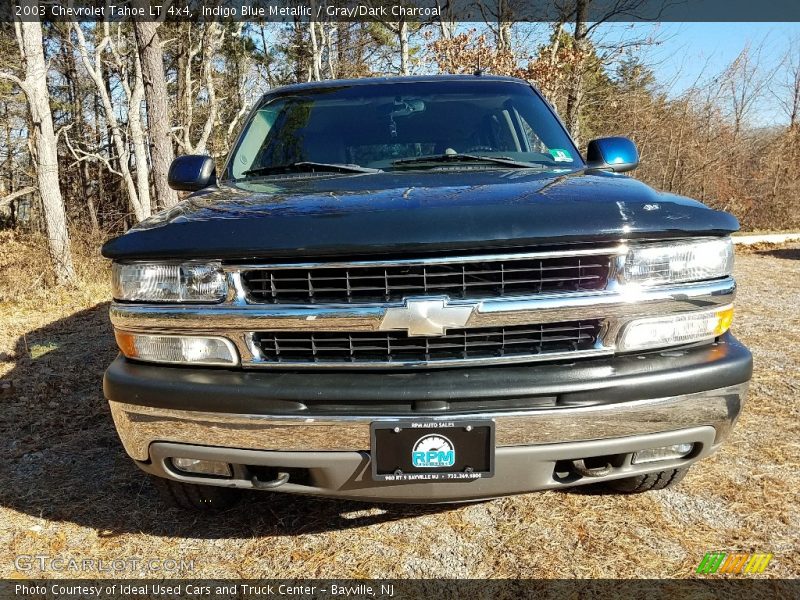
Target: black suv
418 290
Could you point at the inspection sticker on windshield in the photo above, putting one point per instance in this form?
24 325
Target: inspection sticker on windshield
560 155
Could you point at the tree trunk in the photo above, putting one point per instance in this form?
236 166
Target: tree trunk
212 41
139 140
298 51
342 45
86 177
46 149
504 34
575 91
158 117
100 144
402 34
447 23
316 50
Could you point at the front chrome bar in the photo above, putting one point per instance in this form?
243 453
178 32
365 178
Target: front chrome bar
237 321
139 426
239 316
619 303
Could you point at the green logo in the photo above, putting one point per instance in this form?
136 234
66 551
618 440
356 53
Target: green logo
734 563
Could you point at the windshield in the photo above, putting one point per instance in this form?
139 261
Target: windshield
394 126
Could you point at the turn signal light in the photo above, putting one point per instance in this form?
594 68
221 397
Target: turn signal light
177 349
683 328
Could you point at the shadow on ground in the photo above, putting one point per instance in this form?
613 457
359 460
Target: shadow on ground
785 253
60 458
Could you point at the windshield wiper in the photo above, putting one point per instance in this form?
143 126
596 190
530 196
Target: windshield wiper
310 167
445 158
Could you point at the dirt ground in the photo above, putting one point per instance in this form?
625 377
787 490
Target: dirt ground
68 490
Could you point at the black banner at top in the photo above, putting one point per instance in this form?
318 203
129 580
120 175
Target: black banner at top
399 10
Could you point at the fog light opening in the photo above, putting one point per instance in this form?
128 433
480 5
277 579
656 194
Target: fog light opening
663 453
202 467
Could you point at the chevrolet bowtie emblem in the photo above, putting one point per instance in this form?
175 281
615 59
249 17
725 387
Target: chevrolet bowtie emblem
426 316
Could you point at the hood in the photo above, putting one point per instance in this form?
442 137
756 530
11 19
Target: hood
413 212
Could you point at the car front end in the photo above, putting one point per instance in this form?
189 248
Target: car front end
434 335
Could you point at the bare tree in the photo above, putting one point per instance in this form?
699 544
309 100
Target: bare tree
787 88
447 20
700 143
499 22
326 35
29 36
158 114
575 89
205 48
743 80
139 191
400 29
316 50
578 11
242 61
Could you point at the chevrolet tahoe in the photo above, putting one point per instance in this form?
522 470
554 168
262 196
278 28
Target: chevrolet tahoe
418 290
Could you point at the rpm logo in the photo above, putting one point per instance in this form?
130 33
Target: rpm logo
433 451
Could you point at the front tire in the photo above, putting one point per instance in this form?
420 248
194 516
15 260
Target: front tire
189 496
648 482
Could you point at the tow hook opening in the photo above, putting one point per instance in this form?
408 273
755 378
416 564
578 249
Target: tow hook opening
581 468
280 478
567 471
269 478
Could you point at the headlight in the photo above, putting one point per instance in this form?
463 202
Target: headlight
177 349
677 262
685 328
169 282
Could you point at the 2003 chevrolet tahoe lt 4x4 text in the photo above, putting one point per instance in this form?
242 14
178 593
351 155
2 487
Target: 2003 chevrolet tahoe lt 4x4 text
417 290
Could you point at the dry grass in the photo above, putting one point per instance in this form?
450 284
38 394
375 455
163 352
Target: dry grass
69 489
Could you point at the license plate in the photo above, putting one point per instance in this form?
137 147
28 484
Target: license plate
420 450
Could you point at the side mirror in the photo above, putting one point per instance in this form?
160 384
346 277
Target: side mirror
192 172
617 154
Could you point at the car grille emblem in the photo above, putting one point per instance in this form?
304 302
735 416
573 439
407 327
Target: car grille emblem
426 316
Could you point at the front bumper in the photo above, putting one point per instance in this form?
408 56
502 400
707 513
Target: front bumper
317 425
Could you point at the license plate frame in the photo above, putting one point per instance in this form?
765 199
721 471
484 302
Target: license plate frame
393 458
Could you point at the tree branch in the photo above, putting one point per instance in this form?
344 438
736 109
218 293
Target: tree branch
84 155
13 78
8 199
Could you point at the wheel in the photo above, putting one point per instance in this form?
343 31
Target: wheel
650 481
196 497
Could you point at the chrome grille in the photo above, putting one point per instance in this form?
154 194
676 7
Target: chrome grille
287 347
515 275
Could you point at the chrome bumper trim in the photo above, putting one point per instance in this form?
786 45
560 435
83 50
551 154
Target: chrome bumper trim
620 302
139 426
237 320
615 250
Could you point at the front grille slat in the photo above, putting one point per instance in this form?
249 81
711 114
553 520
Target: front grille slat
389 347
484 279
